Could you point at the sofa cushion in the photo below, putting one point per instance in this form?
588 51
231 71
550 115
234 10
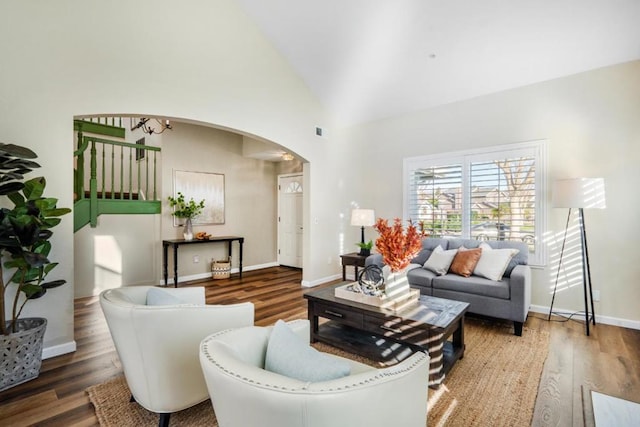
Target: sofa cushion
520 258
493 262
422 256
440 260
428 245
289 355
467 243
465 261
421 277
473 285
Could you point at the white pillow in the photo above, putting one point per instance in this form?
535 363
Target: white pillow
440 260
493 262
157 296
289 355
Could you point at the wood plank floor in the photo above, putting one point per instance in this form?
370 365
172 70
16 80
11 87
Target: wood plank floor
607 361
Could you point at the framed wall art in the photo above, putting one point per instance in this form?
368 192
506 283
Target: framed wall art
201 185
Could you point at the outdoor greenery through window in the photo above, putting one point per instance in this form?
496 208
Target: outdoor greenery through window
490 194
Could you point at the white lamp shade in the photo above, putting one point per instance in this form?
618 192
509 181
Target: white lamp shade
579 193
363 217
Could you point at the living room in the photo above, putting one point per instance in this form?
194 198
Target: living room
211 64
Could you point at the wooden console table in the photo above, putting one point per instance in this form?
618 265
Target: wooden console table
177 242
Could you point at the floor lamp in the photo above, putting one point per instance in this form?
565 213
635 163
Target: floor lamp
579 193
363 218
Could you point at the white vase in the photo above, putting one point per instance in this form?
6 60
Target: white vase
188 230
396 285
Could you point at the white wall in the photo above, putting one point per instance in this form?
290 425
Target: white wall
123 250
208 63
591 122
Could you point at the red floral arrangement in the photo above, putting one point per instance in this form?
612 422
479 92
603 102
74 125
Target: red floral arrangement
397 247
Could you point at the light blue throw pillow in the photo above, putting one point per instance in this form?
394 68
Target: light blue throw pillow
289 355
156 296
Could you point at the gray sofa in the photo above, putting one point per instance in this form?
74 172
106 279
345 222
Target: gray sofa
506 299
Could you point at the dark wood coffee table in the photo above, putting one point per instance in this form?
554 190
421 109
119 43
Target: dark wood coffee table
387 336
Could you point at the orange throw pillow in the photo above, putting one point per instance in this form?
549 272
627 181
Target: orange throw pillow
465 261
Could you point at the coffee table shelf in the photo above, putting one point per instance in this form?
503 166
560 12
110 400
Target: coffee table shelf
388 337
384 351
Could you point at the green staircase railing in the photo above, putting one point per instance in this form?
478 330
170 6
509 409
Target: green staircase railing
104 126
122 177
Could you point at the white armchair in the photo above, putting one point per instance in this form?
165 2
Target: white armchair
158 345
244 394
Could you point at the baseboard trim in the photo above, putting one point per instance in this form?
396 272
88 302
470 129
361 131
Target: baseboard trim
304 283
605 320
207 275
312 283
256 267
58 350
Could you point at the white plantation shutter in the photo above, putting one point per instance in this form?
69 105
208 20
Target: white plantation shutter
503 194
437 199
489 194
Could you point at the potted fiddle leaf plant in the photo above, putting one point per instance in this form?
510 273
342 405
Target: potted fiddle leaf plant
187 210
25 233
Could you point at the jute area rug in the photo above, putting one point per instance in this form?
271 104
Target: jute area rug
495 384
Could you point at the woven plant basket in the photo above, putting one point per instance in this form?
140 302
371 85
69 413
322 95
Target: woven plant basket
221 269
22 352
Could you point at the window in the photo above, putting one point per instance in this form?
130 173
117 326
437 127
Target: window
140 151
488 194
293 187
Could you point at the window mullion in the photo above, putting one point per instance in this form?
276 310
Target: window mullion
466 197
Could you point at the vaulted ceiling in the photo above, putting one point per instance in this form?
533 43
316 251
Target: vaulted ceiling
372 59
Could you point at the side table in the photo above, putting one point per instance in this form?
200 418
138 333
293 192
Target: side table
353 259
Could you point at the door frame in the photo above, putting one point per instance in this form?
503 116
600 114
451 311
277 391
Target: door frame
279 177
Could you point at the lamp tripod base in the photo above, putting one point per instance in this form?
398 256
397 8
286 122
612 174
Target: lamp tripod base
589 317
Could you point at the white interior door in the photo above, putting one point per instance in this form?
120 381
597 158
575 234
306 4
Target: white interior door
290 190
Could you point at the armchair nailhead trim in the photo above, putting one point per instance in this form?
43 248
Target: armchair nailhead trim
305 386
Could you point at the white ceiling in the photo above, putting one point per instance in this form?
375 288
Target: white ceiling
372 59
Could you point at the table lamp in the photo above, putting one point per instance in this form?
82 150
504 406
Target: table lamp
363 218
